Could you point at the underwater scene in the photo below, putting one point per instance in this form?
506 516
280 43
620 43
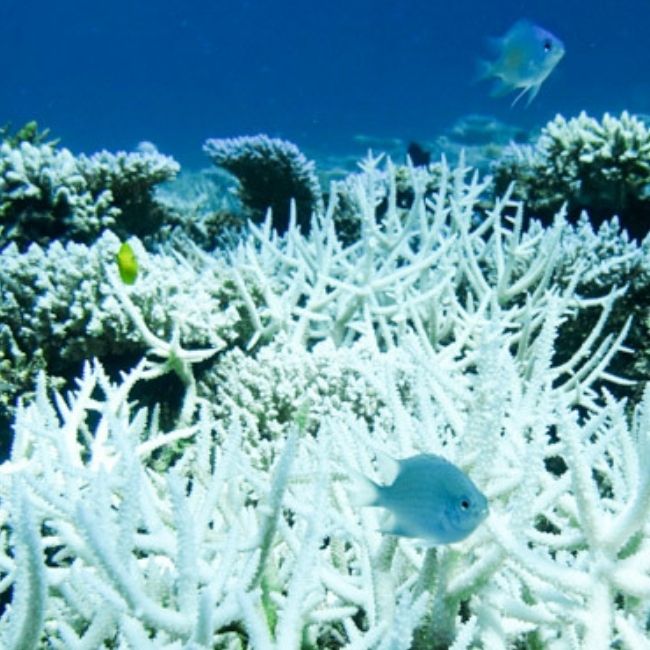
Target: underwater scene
324 325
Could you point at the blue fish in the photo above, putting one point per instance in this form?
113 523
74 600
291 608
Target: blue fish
429 498
526 55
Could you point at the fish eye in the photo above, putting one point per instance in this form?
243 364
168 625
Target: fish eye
548 45
464 504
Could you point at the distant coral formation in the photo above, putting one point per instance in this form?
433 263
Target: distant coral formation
47 193
271 173
599 166
201 206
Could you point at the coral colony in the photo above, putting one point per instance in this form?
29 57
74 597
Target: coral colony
185 429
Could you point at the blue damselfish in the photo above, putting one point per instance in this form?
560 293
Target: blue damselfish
526 55
429 498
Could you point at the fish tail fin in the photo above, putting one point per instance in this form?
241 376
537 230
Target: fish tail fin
391 526
494 44
362 491
388 467
483 70
501 88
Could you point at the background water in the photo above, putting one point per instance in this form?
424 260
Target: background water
109 74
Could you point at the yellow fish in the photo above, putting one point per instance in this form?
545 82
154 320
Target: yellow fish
127 263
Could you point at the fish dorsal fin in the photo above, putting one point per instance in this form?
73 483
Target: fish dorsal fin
388 467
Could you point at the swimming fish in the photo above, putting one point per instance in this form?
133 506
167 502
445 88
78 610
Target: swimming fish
428 498
527 54
127 263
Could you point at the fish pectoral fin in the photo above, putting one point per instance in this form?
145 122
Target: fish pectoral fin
390 526
532 91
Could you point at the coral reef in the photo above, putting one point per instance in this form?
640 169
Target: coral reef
236 527
271 173
201 208
63 303
131 179
47 193
29 132
609 258
599 166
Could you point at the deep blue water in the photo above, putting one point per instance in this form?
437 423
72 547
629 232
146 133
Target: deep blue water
109 74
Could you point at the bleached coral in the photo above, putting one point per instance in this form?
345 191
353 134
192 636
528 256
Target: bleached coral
614 150
202 207
284 382
608 255
131 178
599 166
435 267
58 306
271 173
44 194
205 555
47 193
433 333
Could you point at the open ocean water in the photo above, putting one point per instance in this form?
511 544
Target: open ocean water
331 76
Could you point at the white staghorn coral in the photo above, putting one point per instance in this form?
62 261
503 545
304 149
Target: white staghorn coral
129 542
434 267
434 333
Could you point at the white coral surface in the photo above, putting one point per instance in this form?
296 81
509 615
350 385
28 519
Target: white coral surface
435 333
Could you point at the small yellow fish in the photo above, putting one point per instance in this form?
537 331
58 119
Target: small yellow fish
127 263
